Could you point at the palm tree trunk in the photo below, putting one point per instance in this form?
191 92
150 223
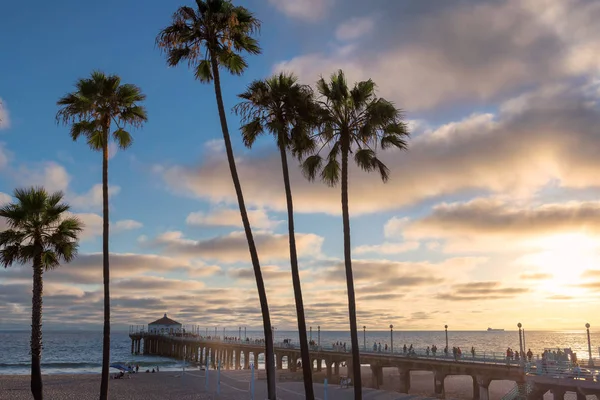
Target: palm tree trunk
105 271
36 330
349 277
262 294
304 351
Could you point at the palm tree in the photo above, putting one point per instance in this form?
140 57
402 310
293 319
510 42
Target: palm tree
40 232
284 108
99 103
209 37
354 121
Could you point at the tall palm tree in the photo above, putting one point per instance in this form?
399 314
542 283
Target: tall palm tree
98 104
354 121
209 37
40 232
284 108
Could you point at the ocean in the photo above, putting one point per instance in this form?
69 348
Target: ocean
81 352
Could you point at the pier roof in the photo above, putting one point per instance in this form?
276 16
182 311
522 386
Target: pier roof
164 321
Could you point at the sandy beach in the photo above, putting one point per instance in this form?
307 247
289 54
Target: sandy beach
234 386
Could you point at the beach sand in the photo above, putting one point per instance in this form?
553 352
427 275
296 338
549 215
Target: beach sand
168 385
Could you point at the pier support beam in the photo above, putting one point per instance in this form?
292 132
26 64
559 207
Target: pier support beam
558 393
475 388
376 376
483 384
329 368
404 386
439 378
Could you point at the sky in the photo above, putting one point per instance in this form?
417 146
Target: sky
490 218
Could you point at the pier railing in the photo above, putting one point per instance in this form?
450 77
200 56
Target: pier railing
479 357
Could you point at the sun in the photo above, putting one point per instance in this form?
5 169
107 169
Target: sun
565 257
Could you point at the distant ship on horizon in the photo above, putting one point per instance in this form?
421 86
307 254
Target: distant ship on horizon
495 330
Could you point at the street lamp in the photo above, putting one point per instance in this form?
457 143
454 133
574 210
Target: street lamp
520 343
223 333
310 334
240 333
524 345
215 332
319 335
587 327
446 327
392 338
365 337
245 337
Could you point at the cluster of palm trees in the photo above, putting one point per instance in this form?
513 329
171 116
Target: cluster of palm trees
321 129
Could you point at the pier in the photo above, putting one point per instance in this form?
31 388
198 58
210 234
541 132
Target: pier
235 354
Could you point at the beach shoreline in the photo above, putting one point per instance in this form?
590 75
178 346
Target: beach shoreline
169 384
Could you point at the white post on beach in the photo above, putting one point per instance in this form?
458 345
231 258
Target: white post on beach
252 381
325 389
207 371
219 378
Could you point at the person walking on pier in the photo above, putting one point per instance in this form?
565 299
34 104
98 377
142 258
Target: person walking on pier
434 349
529 355
473 351
427 351
404 349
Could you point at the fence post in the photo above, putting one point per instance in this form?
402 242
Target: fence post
207 371
219 378
252 381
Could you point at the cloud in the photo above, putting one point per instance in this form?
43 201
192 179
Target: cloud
476 291
93 198
387 248
127 224
86 269
483 223
308 10
93 224
233 247
355 28
5 198
465 51
4 116
259 219
52 176
516 153
536 276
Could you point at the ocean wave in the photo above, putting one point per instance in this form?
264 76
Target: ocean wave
86 365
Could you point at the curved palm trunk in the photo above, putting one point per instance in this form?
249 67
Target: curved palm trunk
36 330
262 294
304 352
105 273
349 277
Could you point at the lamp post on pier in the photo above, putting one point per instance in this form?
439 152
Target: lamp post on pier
392 338
446 328
245 337
587 328
520 343
310 339
365 337
206 332
524 345
240 333
223 333
319 335
215 332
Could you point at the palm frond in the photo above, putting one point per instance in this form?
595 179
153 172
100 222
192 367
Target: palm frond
122 138
204 71
311 166
251 131
38 229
